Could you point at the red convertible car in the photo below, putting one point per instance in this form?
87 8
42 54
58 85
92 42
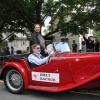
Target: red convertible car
64 71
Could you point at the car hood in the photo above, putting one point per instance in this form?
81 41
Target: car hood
75 55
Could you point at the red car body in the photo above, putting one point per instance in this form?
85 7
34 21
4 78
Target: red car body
65 71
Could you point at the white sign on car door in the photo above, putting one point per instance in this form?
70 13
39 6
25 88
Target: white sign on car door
45 77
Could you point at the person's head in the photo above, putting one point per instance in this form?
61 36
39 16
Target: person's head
37 28
7 48
27 48
83 42
36 48
12 48
73 41
90 38
63 40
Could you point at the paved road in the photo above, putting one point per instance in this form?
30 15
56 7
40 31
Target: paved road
34 95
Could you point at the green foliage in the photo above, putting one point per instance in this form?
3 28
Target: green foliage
82 14
67 16
96 34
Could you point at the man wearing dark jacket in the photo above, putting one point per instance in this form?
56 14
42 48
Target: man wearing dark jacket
36 37
89 44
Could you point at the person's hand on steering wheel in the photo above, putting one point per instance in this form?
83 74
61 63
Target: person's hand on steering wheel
50 55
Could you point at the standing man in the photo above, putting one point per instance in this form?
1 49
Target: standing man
89 44
96 45
74 47
12 50
37 38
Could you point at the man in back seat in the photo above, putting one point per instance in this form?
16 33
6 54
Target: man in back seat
36 57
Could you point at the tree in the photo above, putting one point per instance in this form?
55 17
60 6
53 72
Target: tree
96 34
67 16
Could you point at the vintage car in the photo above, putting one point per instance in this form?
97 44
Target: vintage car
63 72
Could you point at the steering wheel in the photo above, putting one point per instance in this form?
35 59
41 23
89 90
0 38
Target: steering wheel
49 59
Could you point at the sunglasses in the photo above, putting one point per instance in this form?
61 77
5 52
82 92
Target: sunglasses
38 48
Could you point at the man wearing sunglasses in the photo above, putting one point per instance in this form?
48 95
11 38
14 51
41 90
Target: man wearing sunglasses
36 57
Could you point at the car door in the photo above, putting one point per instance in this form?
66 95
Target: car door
84 67
45 75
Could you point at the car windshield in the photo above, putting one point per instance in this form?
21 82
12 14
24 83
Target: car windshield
62 47
58 47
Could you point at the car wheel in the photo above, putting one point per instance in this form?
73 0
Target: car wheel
14 81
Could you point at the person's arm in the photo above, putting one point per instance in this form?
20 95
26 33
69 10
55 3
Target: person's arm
37 61
84 38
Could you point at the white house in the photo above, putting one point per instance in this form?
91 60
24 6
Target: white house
20 43
78 38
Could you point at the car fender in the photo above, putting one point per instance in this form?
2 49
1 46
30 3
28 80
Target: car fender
18 67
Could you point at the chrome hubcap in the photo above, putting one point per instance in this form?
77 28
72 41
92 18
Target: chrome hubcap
14 80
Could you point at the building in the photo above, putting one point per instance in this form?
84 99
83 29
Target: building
19 43
78 38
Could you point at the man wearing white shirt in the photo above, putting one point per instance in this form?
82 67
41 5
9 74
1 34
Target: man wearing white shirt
36 57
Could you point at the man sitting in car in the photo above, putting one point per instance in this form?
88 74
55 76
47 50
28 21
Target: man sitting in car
36 57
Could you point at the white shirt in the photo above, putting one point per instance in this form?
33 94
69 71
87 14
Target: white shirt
36 59
62 47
